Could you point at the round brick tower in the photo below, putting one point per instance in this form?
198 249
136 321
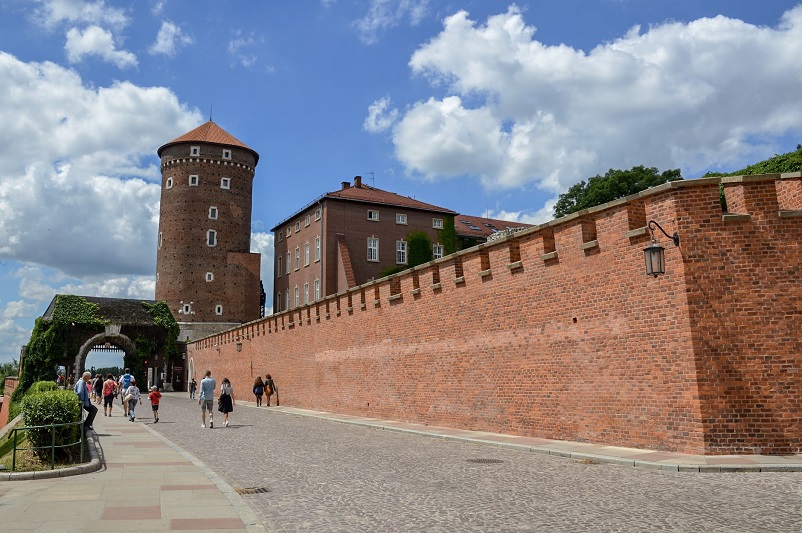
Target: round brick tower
204 269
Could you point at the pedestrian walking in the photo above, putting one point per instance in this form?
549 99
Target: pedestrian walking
155 396
81 388
109 391
258 390
226 400
270 388
193 385
133 396
206 398
122 385
98 388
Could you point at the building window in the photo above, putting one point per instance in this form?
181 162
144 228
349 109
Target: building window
213 213
317 289
211 237
287 300
169 183
218 309
306 254
289 231
437 251
194 151
297 226
278 301
373 249
209 276
280 235
437 223
401 252
278 266
317 248
225 183
226 154
193 180
307 220
297 296
373 215
297 258
289 262
400 218
306 293
186 309
317 213
160 240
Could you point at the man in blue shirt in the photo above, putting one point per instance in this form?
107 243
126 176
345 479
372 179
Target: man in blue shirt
82 390
206 398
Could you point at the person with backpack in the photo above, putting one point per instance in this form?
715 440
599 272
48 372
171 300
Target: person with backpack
270 388
258 390
124 384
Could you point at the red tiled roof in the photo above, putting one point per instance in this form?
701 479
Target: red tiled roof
479 227
209 133
368 194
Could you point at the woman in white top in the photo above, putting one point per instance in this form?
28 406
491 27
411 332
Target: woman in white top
226 400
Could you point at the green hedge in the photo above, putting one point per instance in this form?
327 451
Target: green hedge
43 386
53 407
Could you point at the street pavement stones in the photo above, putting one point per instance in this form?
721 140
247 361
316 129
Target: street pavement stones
308 471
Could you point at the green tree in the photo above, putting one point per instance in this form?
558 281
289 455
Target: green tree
6 370
613 185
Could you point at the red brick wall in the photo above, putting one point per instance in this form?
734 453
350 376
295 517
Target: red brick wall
578 345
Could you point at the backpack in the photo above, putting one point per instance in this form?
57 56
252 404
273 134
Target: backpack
127 380
258 391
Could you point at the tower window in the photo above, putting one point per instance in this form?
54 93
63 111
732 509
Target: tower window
186 309
226 154
169 183
213 213
209 276
225 183
160 240
218 309
194 151
211 237
193 180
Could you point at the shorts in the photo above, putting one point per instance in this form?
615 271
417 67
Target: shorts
154 406
108 401
207 405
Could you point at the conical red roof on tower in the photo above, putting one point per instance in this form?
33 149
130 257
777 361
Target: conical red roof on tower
209 133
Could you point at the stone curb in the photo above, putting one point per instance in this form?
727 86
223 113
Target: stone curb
94 464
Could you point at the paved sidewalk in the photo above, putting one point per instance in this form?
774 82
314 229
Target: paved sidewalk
146 485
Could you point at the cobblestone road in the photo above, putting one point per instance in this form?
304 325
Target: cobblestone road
326 476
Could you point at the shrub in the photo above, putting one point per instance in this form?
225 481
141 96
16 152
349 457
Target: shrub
43 386
52 407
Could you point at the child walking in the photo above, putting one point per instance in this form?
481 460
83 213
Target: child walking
155 396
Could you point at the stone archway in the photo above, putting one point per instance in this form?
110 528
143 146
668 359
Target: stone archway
111 335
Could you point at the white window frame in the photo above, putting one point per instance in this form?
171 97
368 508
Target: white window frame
317 248
169 183
297 226
213 212
194 151
317 289
437 223
289 262
161 240
437 251
373 215
211 238
226 153
225 183
287 300
306 254
218 309
280 235
194 180
297 258
401 252
373 257
289 231
318 213
209 276
306 293
401 218
186 310
297 297
307 220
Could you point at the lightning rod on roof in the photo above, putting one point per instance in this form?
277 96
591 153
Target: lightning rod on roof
372 179
211 108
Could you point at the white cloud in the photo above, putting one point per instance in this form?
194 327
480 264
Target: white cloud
55 12
516 111
169 39
239 49
95 41
380 118
19 309
386 14
158 7
262 243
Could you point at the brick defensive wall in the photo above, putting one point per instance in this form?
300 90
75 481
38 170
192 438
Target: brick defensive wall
557 332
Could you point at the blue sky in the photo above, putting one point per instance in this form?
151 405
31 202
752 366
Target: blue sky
483 107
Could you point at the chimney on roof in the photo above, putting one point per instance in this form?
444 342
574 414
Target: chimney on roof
358 182
346 185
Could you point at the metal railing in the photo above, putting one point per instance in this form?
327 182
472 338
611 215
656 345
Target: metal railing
52 446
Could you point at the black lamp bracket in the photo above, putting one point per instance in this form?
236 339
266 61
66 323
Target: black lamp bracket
674 237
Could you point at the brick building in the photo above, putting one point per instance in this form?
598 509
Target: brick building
204 269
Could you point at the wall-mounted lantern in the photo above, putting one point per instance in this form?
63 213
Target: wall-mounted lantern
239 346
654 254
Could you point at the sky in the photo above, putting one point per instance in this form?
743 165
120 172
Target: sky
484 107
